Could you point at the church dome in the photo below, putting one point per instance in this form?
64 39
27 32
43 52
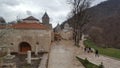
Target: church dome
31 18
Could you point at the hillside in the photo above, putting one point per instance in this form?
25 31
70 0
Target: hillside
104 10
104 23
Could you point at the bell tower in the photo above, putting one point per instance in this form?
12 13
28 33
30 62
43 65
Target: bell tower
45 19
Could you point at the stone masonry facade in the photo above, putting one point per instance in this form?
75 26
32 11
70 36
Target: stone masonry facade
39 38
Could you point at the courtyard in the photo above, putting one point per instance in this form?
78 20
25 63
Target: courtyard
20 61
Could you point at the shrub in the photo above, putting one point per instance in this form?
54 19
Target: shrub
86 63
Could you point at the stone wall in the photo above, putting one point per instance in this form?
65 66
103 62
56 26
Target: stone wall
67 35
39 38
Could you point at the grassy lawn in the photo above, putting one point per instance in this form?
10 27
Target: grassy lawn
87 64
112 52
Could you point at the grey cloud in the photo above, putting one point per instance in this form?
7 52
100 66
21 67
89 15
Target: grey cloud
29 12
9 2
57 9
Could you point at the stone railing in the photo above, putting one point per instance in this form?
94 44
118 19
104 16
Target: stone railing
44 60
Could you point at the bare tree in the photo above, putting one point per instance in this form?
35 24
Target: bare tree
80 17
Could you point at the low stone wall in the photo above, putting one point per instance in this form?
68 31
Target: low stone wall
7 65
44 61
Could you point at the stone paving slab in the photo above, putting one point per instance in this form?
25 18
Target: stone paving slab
62 56
59 58
107 61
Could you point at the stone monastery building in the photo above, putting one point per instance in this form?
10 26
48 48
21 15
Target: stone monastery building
28 34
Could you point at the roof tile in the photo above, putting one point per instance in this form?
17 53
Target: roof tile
29 26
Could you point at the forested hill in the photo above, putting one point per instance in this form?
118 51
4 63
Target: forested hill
104 24
104 10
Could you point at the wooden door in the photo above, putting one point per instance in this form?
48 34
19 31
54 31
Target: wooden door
24 47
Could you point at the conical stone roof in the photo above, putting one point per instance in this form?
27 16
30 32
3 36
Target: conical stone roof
2 20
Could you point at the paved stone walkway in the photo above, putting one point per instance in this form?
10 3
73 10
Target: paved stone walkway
107 61
62 56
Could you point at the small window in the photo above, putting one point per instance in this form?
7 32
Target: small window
37 43
11 43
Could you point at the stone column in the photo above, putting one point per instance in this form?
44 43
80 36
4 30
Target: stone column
36 50
29 57
8 53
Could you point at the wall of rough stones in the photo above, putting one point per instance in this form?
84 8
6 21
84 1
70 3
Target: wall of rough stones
41 38
68 35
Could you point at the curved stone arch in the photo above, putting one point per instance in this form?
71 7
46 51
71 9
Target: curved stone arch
24 47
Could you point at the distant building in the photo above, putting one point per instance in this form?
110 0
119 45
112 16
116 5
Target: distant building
29 34
57 29
46 20
67 32
2 21
31 19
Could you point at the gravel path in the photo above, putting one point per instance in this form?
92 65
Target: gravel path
62 56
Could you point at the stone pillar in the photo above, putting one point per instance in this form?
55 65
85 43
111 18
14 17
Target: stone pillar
29 57
36 50
8 53
83 37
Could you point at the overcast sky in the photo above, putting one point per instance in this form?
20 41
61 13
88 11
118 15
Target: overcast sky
57 10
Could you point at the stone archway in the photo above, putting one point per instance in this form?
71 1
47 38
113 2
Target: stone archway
24 47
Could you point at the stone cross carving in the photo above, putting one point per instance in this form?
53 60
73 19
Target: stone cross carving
29 57
36 50
8 53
